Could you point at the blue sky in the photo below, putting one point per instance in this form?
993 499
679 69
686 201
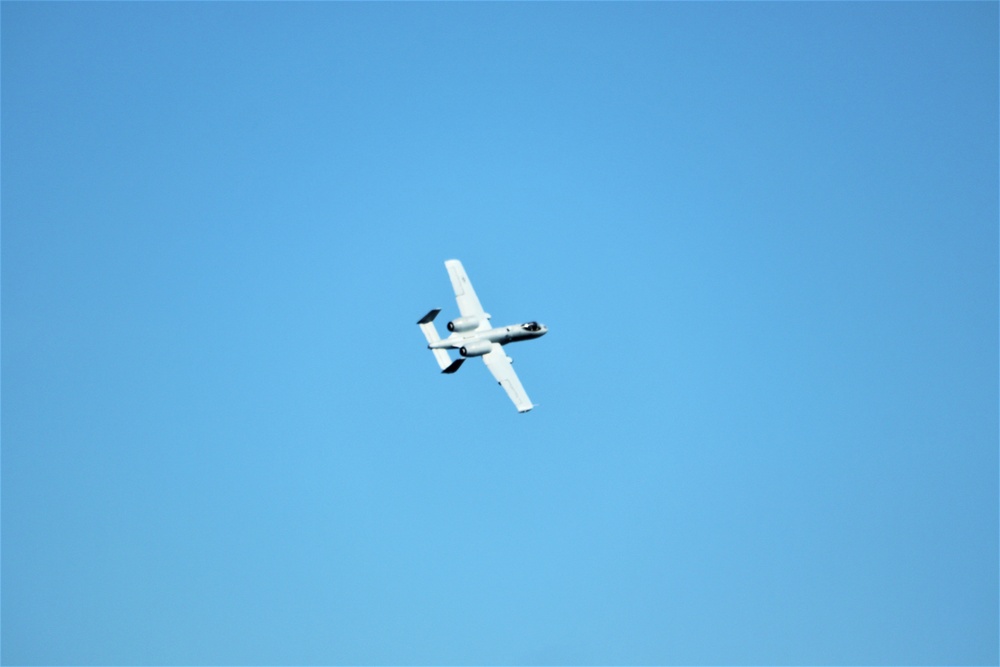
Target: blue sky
764 238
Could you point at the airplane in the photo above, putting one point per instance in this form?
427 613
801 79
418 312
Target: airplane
473 336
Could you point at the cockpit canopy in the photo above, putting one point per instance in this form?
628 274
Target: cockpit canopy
532 326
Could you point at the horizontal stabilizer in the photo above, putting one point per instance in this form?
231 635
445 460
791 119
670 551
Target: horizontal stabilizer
444 361
430 333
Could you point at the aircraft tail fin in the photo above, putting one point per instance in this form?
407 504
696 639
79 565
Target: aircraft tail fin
455 365
428 318
430 333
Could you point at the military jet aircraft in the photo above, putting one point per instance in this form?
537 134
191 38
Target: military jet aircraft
473 336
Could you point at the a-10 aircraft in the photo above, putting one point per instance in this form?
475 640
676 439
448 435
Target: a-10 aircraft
473 336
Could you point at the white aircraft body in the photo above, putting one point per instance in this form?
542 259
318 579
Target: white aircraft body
473 336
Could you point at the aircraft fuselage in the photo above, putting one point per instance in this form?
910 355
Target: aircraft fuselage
502 335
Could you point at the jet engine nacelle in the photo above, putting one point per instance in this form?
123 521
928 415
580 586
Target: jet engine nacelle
476 348
467 323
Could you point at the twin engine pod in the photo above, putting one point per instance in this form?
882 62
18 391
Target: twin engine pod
476 348
462 324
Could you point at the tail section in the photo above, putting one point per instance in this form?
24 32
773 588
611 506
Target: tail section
430 333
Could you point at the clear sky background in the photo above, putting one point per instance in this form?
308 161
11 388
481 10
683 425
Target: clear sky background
763 236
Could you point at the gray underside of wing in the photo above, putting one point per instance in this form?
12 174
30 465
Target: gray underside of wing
499 364
468 302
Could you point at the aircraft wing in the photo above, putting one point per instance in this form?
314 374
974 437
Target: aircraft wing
468 302
499 365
